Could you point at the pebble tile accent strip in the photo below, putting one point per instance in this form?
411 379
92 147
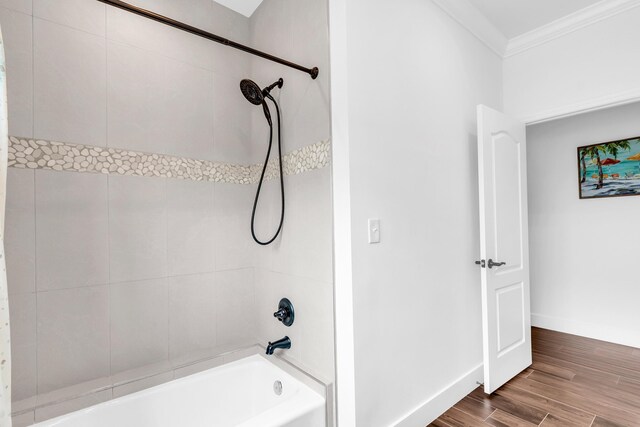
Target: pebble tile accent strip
314 156
41 154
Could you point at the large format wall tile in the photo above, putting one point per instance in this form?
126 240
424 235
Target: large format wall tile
306 247
72 230
155 102
69 84
137 228
233 243
17 35
23 6
315 305
182 110
128 97
232 119
83 15
236 308
73 336
22 309
192 315
20 229
139 324
190 227
127 28
193 12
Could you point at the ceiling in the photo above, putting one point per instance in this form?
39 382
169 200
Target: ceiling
245 7
511 17
516 17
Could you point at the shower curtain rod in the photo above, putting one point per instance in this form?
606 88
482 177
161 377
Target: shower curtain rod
313 72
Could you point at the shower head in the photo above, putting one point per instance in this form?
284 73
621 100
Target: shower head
251 91
254 94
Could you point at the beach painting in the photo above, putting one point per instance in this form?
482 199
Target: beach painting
609 169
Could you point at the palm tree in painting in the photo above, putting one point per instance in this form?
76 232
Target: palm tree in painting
594 151
583 155
614 148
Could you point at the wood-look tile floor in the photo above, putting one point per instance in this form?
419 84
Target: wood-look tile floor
573 382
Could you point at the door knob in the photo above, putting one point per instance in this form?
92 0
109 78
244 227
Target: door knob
495 264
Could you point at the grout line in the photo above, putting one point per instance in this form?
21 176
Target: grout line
35 213
166 263
109 289
148 279
593 421
545 417
35 275
70 27
33 74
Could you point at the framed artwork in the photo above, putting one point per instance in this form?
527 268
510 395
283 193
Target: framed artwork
609 169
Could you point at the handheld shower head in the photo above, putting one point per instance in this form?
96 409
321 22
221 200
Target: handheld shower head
256 96
251 91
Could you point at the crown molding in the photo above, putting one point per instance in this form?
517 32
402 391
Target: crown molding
588 16
476 23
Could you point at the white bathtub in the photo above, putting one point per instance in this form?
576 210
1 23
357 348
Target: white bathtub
236 394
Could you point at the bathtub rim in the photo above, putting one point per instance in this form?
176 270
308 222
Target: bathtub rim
326 389
313 385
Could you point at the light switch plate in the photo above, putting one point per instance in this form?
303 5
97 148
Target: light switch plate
374 231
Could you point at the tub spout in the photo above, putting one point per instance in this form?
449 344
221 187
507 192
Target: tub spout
281 343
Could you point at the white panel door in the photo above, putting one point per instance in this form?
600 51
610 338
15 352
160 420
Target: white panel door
504 241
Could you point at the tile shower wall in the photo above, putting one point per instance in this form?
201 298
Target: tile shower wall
299 264
117 277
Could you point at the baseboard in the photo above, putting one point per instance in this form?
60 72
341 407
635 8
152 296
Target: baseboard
445 399
588 330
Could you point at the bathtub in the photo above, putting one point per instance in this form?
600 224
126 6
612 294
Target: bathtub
250 392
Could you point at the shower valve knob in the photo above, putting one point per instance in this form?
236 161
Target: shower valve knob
285 313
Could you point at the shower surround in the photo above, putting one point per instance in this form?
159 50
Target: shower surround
134 264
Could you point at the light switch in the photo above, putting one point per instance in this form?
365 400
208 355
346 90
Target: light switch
374 231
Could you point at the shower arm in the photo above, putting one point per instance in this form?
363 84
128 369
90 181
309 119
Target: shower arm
313 72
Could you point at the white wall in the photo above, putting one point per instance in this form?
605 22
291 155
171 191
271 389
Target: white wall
592 67
414 79
584 253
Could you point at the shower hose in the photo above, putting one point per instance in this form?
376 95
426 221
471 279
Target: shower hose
264 169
